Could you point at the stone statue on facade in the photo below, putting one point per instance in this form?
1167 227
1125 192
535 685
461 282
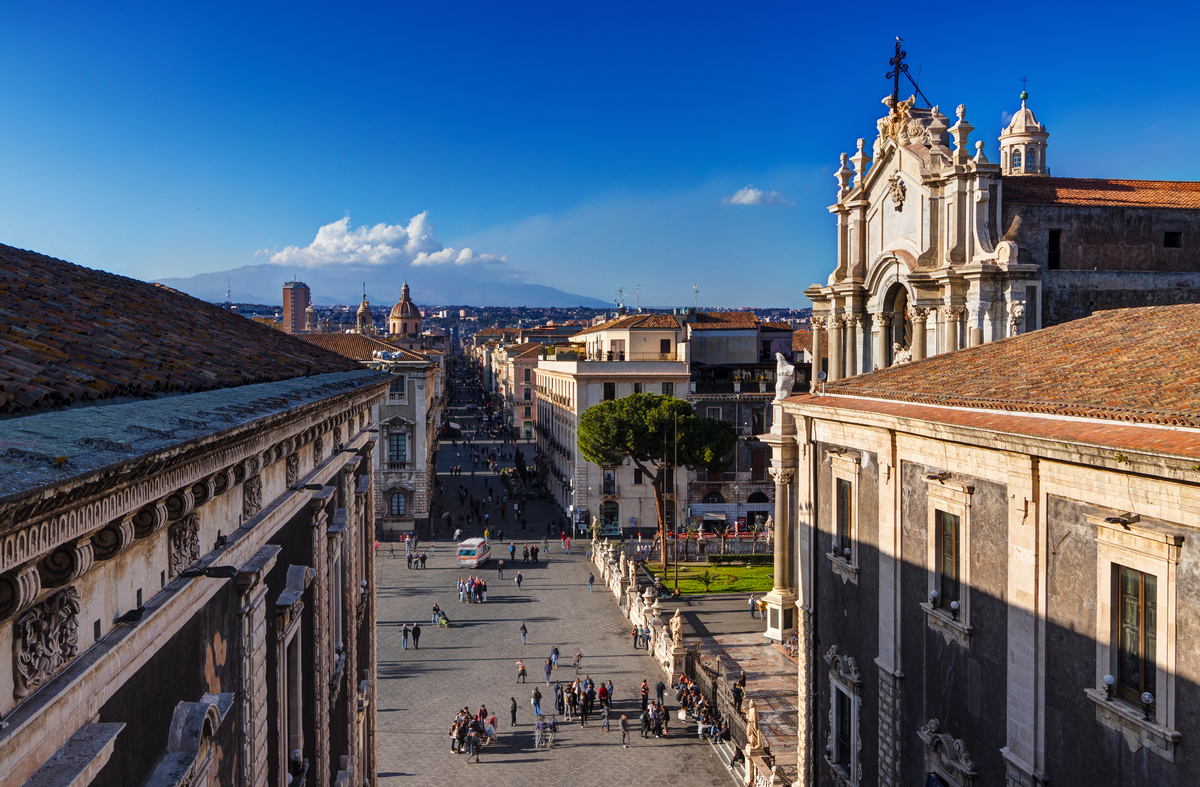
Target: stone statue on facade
900 354
785 377
677 628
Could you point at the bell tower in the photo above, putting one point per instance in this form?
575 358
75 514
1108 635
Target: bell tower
1023 144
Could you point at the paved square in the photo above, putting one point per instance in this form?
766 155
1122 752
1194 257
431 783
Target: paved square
473 663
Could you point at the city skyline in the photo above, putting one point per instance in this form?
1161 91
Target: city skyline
163 143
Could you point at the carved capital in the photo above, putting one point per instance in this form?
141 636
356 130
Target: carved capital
184 544
818 323
111 539
44 641
66 564
18 589
951 311
919 313
976 308
852 320
783 476
882 318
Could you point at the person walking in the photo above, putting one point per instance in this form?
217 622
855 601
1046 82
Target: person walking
624 730
519 580
416 634
404 637
660 689
425 557
500 570
636 631
524 631
753 606
546 668
525 553
512 551
512 710
554 656
591 582
645 694
537 701
520 671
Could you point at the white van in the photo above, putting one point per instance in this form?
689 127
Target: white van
473 553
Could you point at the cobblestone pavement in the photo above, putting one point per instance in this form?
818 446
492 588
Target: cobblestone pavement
473 663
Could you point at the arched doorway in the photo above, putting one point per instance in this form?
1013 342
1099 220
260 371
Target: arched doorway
714 498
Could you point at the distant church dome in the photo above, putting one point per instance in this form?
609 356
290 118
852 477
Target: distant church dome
405 308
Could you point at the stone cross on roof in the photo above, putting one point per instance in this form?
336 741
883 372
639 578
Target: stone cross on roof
899 67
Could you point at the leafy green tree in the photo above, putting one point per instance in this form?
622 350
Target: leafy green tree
658 434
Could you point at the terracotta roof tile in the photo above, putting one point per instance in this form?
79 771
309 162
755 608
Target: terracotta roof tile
801 340
778 326
724 321
357 346
69 333
1139 365
1038 190
635 322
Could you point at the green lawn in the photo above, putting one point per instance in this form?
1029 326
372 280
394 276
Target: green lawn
726 579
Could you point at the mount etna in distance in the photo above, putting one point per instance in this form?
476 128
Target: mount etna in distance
441 285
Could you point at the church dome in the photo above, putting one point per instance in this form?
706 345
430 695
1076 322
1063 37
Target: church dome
364 308
405 308
1024 122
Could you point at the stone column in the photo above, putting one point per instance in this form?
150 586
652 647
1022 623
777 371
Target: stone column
835 346
854 324
952 316
919 315
975 310
818 346
320 641
781 601
882 340
252 592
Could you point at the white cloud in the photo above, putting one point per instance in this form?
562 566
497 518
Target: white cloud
752 196
339 244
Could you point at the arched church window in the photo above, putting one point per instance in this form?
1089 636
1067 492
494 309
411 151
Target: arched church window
1016 160
1031 159
399 504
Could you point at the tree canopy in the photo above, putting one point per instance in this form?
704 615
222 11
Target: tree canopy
658 434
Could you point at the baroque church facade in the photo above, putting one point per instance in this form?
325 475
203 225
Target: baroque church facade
940 248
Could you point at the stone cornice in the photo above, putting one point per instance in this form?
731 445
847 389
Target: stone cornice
84 504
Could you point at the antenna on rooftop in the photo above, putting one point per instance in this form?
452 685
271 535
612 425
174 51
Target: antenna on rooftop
620 297
696 294
228 290
638 293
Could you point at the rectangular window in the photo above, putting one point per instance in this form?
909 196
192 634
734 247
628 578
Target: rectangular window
637 387
669 481
1054 250
845 729
528 374
664 346
610 391
610 482
397 448
714 413
758 421
758 465
1173 240
947 558
528 395
668 389
397 390
1137 611
844 511
528 412
637 477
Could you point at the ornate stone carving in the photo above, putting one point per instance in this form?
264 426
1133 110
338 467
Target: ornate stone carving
976 308
251 496
318 451
897 190
1016 314
843 667
785 377
112 539
882 318
676 624
44 641
947 753
919 313
754 736
783 476
149 520
18 589
337 437
185 543
362 420
951 311
818 323
293 469
180 504
66 564
900 354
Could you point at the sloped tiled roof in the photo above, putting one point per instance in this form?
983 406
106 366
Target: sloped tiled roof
1140 365
526 350
1039 190
801 340
69 333
357 346
724 321
777 326
635 322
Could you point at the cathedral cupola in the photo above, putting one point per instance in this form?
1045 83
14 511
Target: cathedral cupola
1023 144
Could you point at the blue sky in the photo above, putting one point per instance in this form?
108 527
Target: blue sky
583 146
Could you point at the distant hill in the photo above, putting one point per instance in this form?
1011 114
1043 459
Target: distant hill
430 285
